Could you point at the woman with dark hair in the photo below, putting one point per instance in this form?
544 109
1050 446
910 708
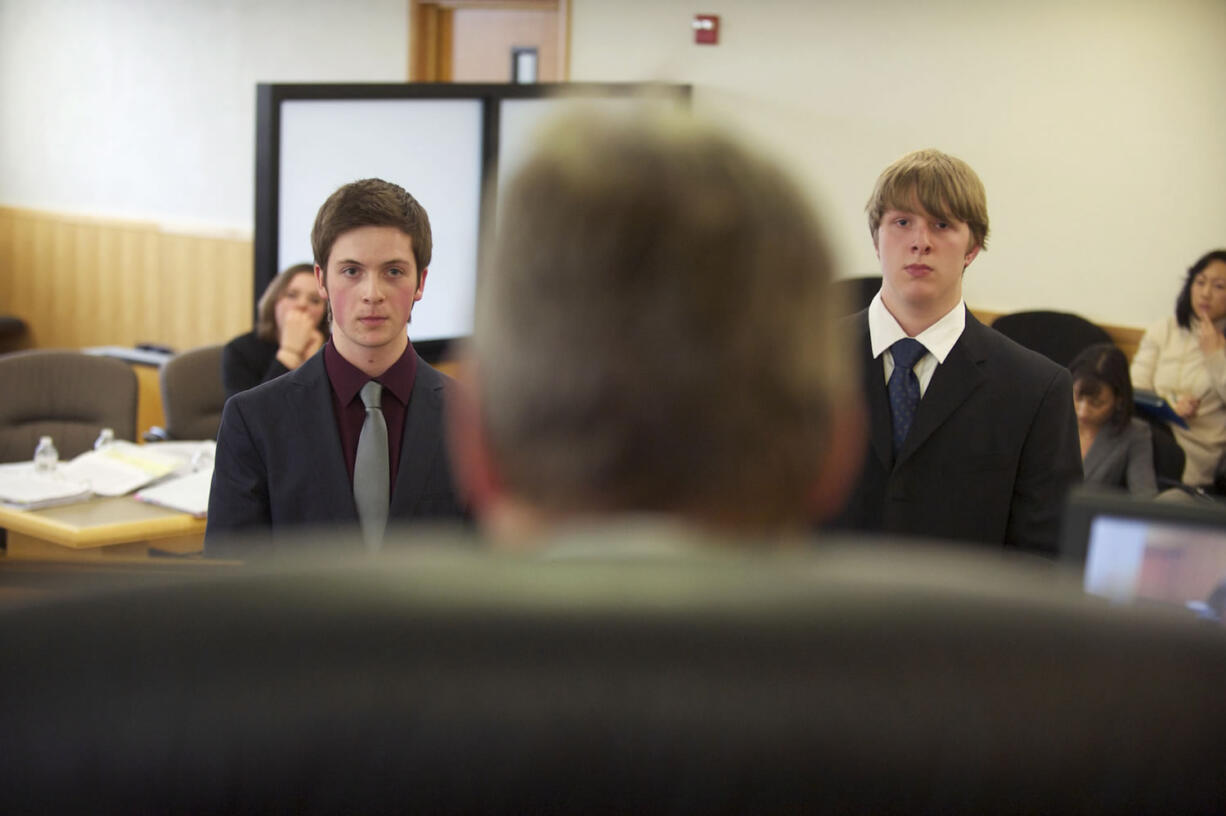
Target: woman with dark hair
291 325
1183 359
1116 449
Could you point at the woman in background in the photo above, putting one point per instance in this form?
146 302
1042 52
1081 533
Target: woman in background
1183 359
1116 449
291 325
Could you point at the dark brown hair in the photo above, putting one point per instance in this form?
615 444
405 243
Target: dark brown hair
371 202
1099 365
1183 303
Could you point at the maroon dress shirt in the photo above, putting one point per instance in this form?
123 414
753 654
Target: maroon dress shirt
347 381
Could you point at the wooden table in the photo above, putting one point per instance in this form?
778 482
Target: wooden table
101 528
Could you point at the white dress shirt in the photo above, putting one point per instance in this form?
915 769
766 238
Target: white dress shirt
938 339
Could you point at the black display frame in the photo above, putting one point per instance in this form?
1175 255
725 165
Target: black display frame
271 96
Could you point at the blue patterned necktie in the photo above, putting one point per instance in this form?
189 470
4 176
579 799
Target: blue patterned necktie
903 387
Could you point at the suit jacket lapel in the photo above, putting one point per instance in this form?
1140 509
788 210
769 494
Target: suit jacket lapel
881 431
952 383
422 439
314 406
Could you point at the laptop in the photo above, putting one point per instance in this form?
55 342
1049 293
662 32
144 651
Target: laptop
1153 552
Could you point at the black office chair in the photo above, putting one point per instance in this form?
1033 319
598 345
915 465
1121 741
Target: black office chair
856 293
847 682
1059 336
192 395
12 332
1169 457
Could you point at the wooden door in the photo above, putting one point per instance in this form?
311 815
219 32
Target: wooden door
476 40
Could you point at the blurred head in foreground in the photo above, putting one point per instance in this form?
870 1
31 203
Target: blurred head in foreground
654 335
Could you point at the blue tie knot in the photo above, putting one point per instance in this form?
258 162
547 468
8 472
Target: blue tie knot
907 352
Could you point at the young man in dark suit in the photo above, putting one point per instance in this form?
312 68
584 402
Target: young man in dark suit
289 451
972 437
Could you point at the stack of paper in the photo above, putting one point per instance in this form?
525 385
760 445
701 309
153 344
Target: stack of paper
25 488
188 494
121 467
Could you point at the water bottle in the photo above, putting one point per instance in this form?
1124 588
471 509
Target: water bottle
104 439
46 457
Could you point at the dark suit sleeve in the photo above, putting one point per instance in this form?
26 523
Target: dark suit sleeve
247 361
1049 466
238 497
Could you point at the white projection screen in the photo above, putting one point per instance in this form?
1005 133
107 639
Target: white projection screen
432 148
448 145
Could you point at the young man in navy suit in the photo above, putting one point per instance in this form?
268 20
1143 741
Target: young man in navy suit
286 450
973 437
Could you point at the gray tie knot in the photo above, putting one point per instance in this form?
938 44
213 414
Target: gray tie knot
372 395
907 352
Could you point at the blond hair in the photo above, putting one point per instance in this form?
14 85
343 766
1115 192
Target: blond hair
943 185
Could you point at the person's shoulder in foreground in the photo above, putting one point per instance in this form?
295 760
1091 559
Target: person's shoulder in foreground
654 340
287 450
985 447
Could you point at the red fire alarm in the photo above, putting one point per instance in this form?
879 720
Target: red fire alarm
706 29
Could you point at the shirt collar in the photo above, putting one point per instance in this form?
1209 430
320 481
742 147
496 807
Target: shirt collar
939 338
347 379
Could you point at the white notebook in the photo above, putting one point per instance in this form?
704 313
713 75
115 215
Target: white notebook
188 494
121 467
25 488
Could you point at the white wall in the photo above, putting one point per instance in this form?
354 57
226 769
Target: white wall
146 108
1096 125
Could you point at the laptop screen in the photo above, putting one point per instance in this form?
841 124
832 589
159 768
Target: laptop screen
1147 551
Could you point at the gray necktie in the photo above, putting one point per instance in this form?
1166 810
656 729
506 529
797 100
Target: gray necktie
370 469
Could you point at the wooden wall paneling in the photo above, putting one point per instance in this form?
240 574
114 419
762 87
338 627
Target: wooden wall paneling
89 312
7 268
13 261
38 285
177 307
238 303
108 275
84 282
1126 337
52 300
18 271
204 291
127 263
145 279
122 259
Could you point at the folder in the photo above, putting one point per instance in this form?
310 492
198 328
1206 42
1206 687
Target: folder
1153 406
